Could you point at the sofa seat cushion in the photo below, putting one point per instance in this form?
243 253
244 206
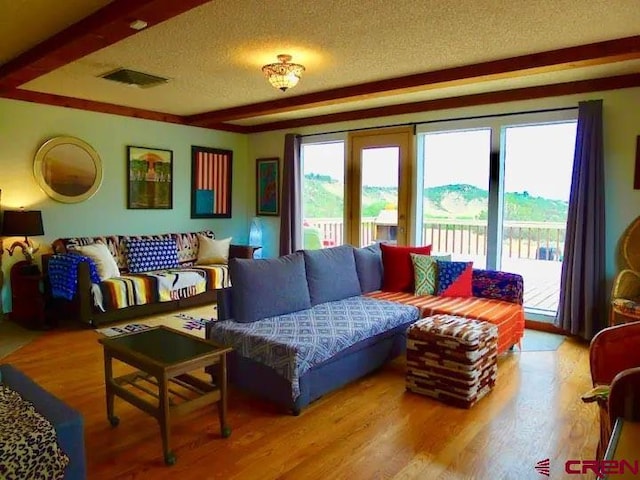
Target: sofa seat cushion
293 343
507 316
160 286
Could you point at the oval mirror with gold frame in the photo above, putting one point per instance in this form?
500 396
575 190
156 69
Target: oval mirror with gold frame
68 169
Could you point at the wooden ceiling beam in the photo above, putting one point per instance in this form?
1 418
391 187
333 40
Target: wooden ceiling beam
102 28
103 107
542 62
501 96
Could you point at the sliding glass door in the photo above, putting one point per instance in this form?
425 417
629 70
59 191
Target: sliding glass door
538 161
495 191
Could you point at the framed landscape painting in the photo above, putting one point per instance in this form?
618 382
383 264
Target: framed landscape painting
211 178
150 178
267 186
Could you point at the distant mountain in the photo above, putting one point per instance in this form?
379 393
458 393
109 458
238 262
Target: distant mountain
324 198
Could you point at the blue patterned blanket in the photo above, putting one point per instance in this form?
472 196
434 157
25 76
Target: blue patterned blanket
63 274
292 344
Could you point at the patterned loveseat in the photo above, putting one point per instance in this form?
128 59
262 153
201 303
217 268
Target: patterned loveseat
79 292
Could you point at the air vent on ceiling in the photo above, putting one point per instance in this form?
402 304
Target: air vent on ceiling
133 78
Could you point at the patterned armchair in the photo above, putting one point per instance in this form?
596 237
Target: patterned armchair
614 356
625 296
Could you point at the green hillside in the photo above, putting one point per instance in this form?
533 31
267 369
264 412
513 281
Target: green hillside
323 198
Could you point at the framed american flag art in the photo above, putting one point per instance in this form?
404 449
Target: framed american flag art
211 182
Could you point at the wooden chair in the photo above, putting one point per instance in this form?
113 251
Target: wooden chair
614 357
625 295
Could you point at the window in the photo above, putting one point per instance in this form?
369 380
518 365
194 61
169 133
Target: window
496 191
323 177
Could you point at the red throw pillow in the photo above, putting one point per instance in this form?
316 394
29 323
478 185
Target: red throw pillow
398 273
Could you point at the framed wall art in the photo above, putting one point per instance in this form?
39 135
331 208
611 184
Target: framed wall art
68 169
149 178
211 177
267 186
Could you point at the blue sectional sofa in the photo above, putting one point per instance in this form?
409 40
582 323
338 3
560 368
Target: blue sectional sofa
67 422
300 326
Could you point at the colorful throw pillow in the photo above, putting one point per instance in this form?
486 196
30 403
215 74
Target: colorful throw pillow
148 255
454 279
425 270
397 273
101 256
213 252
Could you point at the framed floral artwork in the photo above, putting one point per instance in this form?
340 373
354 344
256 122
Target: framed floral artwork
150 178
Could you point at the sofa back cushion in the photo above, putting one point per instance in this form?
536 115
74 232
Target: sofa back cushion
149 255
187 245
331 274
369 267
398 275
268 287
71 244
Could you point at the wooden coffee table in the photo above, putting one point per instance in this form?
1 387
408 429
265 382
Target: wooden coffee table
163 357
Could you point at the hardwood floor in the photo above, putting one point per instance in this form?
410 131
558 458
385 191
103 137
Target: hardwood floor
368 430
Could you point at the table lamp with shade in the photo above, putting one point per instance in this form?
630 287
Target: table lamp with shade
18 223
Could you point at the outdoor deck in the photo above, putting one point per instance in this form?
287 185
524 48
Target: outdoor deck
541 282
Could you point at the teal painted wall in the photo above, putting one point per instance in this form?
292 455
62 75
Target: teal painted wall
621 126
24 127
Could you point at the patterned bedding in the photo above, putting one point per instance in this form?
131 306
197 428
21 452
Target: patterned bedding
292 344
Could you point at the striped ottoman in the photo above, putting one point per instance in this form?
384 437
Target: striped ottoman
452 359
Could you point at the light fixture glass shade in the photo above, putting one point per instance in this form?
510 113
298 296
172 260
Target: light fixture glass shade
283 75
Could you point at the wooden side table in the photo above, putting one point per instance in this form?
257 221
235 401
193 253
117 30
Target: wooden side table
27 296
242 251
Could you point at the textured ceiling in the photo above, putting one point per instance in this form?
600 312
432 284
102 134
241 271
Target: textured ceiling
25 23
213 53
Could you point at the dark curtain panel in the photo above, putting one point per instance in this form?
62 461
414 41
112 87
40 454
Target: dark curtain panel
291 212
582 310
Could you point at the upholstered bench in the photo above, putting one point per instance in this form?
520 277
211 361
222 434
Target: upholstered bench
452 359
67 422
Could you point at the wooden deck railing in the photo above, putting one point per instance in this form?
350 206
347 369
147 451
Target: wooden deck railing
532 240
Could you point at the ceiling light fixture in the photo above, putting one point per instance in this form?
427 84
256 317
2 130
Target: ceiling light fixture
283 75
